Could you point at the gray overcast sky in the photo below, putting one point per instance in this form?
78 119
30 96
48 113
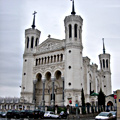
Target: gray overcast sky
101 19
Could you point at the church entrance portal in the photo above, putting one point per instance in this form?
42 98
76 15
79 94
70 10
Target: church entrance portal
49 89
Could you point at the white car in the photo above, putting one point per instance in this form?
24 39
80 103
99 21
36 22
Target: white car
50 114
104 116
114 114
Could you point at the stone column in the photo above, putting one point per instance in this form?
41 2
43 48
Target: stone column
63 91
34 90
43 93
49 59
52 101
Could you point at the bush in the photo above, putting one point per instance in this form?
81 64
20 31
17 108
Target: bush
50 108
61 109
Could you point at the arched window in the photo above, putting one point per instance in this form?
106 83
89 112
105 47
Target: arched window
27 42
36 62
36 42
54 58
61 57
57 58
51 59
45 60
103 63
107 63
32 41
75 30
70 31
39 61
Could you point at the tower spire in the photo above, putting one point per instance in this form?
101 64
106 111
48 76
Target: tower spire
33 25
103 46
73 8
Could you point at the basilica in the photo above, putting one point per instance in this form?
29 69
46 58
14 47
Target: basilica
55 71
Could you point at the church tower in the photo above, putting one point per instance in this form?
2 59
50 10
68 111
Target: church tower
32 36
105 71
73 59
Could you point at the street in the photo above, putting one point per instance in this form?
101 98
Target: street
50 119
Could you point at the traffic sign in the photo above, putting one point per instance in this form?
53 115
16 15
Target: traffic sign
115 96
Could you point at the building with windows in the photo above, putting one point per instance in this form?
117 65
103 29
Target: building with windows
55 71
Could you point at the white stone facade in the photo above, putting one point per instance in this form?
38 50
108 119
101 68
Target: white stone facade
55 71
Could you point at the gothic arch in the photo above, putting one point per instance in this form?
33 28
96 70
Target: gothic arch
48 76
58 69
58 75
39 81
109 103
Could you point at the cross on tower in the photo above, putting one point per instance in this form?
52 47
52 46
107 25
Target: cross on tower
33 25
34 12
73 8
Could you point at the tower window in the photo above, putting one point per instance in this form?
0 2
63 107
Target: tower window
32 41
36 42
27 42
70 31
103 63
75 30
107 63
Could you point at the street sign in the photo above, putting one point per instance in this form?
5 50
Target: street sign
115 96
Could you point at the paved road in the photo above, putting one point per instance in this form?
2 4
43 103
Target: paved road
50 119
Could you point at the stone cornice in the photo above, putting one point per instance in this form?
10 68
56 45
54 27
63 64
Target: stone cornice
72 90
74 45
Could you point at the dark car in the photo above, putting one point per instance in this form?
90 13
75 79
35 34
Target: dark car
63 114
3 114
26 114
13 114
38 113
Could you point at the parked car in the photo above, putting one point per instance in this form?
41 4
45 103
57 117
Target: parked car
63 114
104 116
13 114
38 113
114 114
3 114
26 114
50 114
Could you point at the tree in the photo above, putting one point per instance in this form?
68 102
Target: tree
101 98
83 101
